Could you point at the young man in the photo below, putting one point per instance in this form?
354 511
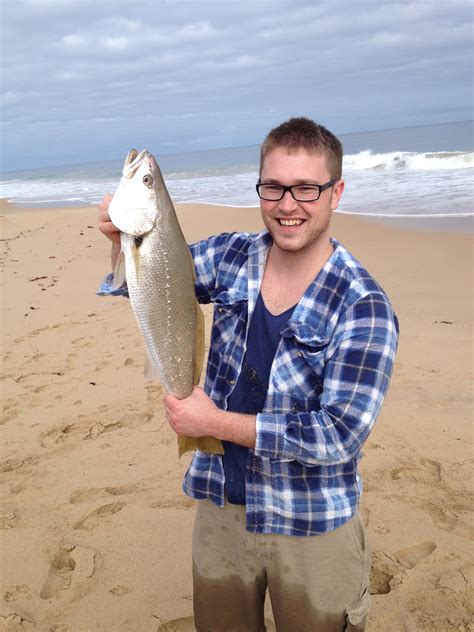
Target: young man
301 355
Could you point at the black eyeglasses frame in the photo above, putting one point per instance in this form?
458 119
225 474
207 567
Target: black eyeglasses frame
320 187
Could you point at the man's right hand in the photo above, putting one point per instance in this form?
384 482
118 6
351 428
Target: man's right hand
105 223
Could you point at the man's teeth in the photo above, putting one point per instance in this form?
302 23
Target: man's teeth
290 222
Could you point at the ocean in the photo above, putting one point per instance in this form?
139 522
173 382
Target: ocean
409 172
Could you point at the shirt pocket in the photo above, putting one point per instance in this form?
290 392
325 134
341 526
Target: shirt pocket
230 319
298 369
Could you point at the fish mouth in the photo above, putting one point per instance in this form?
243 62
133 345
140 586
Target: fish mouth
133 161
132 154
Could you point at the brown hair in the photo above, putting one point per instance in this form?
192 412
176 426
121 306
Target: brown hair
303 133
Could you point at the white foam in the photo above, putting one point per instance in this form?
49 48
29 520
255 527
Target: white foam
412 161
408 184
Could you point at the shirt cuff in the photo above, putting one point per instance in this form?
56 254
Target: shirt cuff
105 288
270 441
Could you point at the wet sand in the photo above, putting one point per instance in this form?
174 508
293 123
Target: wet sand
96 533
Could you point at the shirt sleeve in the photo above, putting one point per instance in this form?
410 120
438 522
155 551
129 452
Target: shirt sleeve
105 287
207 256
356 379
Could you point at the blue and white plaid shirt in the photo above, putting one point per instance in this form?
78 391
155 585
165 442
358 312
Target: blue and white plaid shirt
327 385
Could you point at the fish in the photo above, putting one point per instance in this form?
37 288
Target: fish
156 263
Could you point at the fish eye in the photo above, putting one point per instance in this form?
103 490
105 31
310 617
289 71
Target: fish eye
148 180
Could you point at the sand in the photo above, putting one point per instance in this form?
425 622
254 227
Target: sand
96 533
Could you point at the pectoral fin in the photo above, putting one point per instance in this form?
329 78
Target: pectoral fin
120 275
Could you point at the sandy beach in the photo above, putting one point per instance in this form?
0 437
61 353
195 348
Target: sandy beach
96 533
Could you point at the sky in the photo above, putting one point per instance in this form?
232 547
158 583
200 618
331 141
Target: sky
85 80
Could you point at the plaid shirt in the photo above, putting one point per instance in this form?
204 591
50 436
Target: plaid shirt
327 384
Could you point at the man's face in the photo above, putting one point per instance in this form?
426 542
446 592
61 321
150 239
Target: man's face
298 226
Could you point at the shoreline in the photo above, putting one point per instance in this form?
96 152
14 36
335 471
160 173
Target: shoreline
463 224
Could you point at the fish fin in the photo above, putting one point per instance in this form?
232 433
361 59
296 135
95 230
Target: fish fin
210 445
120 275
186 444
200 345
151 372
205 444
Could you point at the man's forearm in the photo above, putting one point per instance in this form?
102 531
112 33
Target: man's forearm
236 428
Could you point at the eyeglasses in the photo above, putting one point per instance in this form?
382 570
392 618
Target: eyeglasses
300 192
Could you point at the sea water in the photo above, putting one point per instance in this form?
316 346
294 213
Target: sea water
409 172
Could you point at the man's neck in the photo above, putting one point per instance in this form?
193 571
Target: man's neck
288 274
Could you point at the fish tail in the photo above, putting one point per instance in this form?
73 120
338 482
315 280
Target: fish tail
186 444
210 445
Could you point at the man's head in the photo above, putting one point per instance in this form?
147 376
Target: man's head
300 185
303 133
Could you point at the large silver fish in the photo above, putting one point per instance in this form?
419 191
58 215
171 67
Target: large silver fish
156 262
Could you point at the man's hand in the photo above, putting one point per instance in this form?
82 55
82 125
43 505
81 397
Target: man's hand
198 416
194 416
108 229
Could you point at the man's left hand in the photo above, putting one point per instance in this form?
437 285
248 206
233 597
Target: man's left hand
194 416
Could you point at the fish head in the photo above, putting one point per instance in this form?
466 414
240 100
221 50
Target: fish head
134 208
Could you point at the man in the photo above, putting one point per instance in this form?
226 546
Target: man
301 354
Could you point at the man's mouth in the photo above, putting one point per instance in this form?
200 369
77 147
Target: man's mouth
290 222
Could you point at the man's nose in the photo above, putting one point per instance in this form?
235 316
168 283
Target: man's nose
287 202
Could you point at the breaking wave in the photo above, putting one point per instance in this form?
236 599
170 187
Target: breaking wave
412 161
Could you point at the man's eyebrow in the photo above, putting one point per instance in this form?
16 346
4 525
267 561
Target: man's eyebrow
295 182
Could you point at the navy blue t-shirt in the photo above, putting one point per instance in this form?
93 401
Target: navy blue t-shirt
249 394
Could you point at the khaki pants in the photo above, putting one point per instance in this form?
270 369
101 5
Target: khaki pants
316 583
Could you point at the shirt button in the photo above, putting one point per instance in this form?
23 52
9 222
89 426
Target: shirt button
231 382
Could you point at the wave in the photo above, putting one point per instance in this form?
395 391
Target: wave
412 161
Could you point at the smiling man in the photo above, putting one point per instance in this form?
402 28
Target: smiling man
302 349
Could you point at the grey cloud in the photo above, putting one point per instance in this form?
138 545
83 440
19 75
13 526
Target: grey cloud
206 74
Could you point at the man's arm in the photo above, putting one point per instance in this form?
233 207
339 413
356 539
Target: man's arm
198 416
356 380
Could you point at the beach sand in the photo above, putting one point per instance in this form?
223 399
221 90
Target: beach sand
96 533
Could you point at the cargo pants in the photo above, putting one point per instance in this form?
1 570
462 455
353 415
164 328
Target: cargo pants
315 583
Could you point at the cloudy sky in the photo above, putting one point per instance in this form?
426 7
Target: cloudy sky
83 80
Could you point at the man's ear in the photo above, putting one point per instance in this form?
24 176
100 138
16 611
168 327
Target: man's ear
337 194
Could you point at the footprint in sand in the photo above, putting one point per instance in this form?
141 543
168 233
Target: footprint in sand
8 518
13 620
186 624
459 581
428 471
83 495
89 522
70 563
388 571
73 432
12 465
10 411
174 503
410 556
